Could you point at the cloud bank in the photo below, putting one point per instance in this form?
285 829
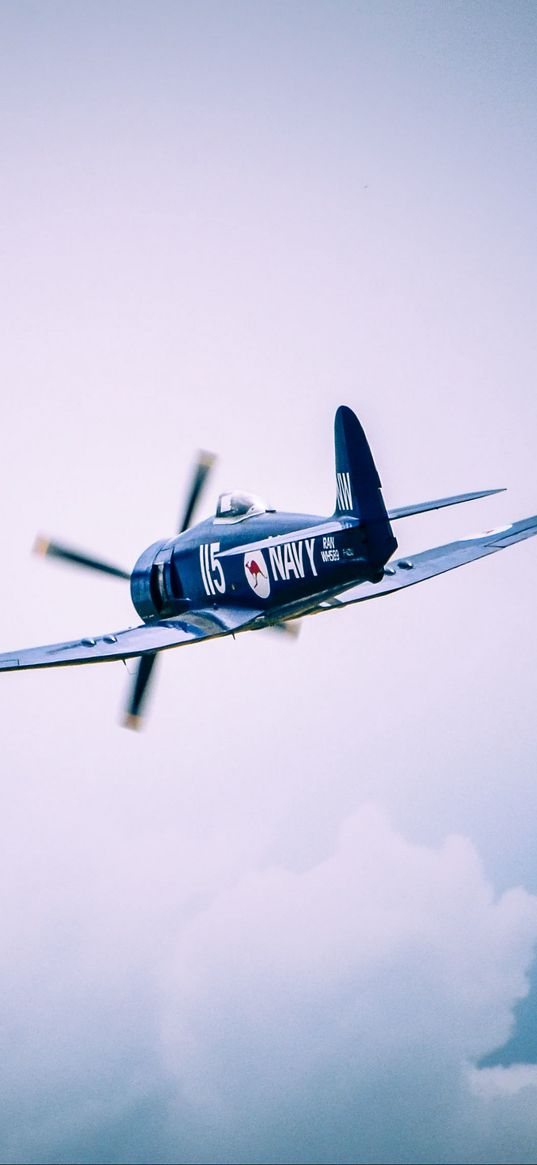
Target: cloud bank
334 1014
172 1007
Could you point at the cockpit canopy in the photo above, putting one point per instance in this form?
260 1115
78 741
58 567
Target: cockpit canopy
236 506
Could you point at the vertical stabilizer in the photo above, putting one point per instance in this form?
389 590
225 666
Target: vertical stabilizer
359 487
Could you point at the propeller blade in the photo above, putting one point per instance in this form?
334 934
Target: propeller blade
144 671
201 470
50 549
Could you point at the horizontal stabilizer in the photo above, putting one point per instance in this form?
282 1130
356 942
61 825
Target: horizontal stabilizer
440 503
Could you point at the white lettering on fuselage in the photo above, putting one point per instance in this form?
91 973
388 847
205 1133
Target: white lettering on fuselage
212 574
329 552
309 543
287 560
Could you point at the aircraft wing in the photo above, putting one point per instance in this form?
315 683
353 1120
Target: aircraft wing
406 572
134 641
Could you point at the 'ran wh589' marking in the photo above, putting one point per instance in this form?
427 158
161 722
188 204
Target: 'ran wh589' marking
329 552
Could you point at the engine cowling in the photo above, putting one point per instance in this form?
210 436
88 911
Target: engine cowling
156 589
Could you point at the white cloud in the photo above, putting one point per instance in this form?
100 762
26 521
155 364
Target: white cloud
340 1006
500 1081
174 1002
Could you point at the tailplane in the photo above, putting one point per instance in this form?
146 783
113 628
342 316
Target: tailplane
359 487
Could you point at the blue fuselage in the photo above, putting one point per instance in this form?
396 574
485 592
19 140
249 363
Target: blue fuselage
269 560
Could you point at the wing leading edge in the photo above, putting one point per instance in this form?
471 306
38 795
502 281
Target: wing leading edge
134 641
406 572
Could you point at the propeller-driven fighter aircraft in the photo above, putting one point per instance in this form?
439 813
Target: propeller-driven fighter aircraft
249 567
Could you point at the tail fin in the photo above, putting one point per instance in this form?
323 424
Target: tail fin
359 486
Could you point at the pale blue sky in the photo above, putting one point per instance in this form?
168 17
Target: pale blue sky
220 221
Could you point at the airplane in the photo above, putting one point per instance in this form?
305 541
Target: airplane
249 567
